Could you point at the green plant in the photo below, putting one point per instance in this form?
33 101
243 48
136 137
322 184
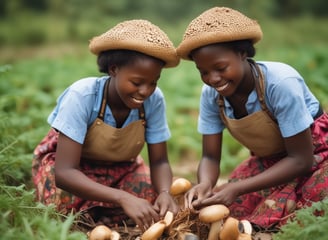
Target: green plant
22 218
309 223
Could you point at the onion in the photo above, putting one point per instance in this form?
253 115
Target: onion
247 227
100 232
168 219
154 231
180 186
230 229
244 236
213 213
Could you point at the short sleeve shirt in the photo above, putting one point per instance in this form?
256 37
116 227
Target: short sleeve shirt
286 95
78 106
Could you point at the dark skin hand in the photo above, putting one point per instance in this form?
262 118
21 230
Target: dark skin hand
70 178
297 162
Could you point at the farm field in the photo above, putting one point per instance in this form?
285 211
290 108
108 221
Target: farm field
32 76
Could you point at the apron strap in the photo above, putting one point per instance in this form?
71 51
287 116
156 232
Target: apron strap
142 115
220 102
102 109
260 87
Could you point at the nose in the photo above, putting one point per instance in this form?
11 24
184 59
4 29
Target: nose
145 90
214 78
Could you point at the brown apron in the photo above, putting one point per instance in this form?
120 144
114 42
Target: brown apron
106 144
258 131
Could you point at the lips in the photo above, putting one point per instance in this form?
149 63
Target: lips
138 101
222 88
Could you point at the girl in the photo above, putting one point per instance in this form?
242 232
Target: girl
89 162
269 109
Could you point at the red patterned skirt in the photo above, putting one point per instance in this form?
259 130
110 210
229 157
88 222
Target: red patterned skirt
271 208
132 177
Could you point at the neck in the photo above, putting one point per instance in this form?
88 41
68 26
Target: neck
113 99
247 85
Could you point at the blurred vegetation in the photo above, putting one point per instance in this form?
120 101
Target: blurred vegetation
37 22
43 49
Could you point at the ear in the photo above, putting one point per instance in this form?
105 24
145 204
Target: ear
112 70
243 56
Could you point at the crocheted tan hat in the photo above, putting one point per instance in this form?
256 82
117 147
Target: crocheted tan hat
218 24
137 35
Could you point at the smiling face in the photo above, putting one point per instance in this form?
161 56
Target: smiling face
133 83
221 68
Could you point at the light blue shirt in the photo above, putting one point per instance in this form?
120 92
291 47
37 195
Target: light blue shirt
286 95
78 106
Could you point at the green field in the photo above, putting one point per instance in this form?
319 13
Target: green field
33 75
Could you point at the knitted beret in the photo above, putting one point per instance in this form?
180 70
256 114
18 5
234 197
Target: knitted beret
137 35
218 24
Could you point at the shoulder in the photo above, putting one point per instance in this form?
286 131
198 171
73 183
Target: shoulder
81 98
281 77
277 71
88 86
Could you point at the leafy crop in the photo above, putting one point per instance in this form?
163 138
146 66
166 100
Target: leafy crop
309 223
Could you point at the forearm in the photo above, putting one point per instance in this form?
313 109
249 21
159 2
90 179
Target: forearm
161 176
209 167
208 171
75 182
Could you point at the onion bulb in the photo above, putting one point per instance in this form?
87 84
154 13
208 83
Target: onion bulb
154 231
100 232
180 186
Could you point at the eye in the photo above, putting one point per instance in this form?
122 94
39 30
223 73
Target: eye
135 83
221 69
